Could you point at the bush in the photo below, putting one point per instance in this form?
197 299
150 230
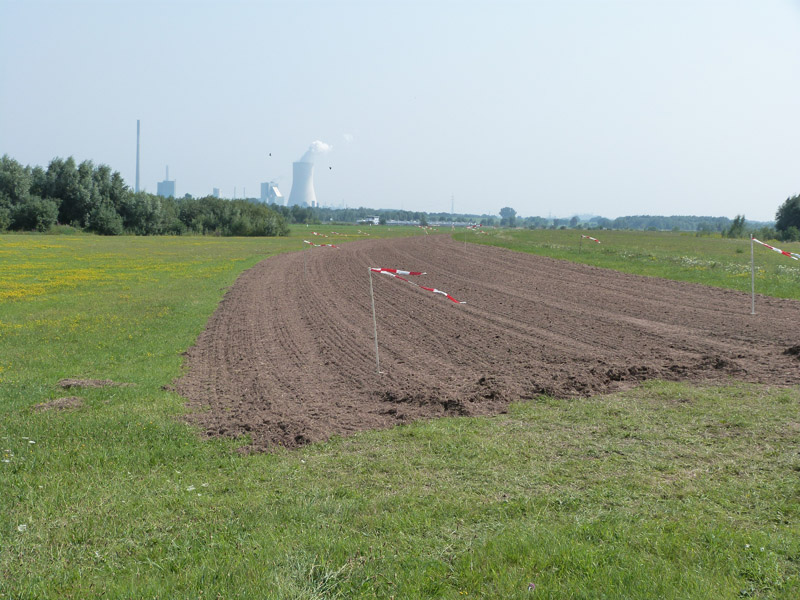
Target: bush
63 230
5 218
141 214
790 234
105 221
35 214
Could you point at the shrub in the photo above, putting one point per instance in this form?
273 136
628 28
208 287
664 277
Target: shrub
105 221
790 234
35 214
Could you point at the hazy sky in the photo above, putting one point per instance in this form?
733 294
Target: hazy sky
553 108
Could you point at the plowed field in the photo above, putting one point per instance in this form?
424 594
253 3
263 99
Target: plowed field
289 357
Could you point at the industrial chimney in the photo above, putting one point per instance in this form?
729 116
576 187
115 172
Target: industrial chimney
137 157
302 193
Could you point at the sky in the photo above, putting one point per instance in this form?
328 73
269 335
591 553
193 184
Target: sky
554 108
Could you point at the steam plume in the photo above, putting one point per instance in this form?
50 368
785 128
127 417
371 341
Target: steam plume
316 147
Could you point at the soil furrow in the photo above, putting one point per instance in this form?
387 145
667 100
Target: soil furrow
288 358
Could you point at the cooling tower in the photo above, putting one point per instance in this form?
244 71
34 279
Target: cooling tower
302 193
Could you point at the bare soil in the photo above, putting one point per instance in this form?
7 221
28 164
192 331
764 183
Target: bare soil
59 404
289 359
90 383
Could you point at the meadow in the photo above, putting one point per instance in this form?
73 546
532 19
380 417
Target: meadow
706 259
666 491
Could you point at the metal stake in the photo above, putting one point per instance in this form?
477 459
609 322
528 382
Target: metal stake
752 278
374 324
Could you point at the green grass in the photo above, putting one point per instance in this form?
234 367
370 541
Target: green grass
666 491
709 260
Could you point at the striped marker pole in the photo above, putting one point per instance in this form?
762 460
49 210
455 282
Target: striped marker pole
397 274
374 324
752 276
791 255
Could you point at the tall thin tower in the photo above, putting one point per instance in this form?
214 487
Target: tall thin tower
137 156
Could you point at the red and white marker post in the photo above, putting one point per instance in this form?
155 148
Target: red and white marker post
397 274
753 241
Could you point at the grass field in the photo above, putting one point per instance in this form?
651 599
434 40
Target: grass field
709 260
666 491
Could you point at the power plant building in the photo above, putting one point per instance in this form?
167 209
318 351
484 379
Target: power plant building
166 188
270 194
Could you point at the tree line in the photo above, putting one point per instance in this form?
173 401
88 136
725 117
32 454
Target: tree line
93 198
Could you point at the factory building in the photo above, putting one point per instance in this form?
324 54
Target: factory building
270 194
166 188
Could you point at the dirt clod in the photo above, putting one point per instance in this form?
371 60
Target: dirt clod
290 359
793 351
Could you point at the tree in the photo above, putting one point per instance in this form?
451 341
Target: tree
15 181
788 215
736 230
573 222
508 217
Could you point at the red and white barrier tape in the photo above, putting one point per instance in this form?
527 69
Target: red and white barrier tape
396 273
319 234
445 294
591 238
320 245
791 255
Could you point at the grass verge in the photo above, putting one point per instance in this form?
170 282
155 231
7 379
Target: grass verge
666 491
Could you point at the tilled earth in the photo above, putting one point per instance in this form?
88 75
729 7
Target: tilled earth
288 358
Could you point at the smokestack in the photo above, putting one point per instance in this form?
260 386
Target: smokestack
167 177
302 193
137 156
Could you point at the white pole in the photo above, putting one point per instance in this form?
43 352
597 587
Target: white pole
374 324
304 263
752 278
